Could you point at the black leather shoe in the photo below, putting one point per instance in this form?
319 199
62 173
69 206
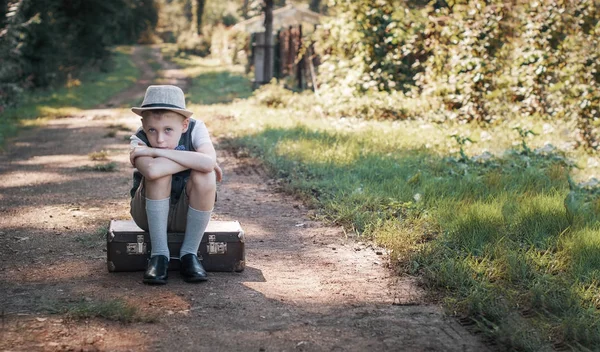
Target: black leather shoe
157 271
191 269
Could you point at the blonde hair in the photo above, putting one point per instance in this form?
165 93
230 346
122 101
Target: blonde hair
159 112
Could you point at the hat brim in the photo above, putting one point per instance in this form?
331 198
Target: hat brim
139 111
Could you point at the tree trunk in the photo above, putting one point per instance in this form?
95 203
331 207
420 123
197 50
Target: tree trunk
199 13
3 10
315 5
300 67
245 9
268 68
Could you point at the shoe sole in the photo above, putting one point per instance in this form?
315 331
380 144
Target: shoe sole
154 282
195 279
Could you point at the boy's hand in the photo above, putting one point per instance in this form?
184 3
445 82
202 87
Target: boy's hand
218 173
139 150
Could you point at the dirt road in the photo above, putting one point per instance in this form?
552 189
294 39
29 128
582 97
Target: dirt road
307 287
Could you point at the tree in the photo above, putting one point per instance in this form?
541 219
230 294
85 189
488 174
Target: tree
3 10
268 65
199 13
245 9
44 41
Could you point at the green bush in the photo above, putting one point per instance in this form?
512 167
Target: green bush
370 45
10 94
461 57
229 19
475 60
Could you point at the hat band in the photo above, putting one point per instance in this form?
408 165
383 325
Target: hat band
162 105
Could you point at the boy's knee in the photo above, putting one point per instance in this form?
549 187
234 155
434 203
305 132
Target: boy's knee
203 181
160 182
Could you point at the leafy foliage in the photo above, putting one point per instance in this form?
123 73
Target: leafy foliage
462 41
45 41
370 46
178 23
472 60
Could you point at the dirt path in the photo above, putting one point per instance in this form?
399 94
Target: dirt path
306 286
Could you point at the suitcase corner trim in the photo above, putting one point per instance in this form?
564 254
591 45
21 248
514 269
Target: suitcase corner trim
239 266
110 234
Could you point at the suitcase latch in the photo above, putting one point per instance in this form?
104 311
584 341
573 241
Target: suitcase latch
137 248
214 247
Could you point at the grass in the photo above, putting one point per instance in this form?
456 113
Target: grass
95 87
490 233
114 310
493 236
94 239
111 310
98 156
104 167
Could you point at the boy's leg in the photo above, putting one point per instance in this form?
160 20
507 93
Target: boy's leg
157 210
150 211
200 191
201 188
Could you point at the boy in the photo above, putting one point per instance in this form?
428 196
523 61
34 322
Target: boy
175 183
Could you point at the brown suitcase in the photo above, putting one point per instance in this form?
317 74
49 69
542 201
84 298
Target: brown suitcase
221 249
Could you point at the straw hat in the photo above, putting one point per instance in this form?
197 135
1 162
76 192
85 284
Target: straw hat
163 97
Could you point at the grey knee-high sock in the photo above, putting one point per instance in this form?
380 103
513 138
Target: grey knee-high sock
158 215
194 230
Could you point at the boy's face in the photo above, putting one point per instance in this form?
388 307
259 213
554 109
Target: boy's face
164 129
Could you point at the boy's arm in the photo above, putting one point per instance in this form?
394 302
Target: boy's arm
153 168
155 163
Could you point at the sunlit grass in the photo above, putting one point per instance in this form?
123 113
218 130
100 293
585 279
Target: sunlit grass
492 235
583 249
